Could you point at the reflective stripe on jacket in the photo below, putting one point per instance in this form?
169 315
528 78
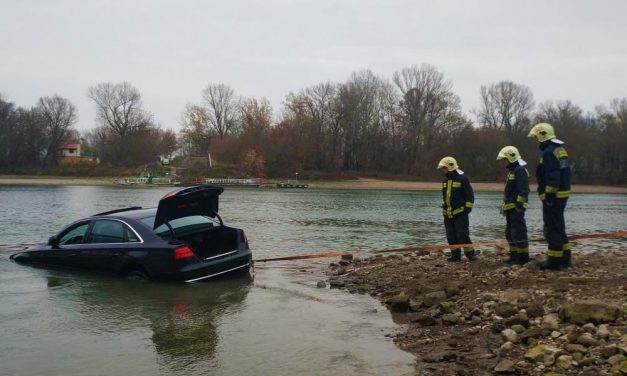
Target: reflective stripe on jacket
457 194
553 171
516 191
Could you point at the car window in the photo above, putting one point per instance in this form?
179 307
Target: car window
74 235
184 223
110 231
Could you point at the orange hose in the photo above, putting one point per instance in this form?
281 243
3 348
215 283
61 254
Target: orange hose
440 247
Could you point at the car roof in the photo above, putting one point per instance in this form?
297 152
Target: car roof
131 213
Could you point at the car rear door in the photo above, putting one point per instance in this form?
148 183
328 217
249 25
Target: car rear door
107 242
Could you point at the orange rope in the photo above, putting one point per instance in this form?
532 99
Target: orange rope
301 257
440 247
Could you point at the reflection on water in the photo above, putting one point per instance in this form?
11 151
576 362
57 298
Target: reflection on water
60 322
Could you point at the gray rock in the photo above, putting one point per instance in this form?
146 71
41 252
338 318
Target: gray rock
434 298
518 328
336 283
616 359
510 335
424 320
321 284
513 297
532 333
415 304
505 366
603 331
399 303
551 322
588 361
564 362
609 351
549 360
507 346
506 310
445 307
536 353
572 333
535 310
520 318
589 328
576 348
450 319
587 311
347 257
452 289
587 339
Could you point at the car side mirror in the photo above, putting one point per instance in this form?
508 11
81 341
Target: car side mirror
53 242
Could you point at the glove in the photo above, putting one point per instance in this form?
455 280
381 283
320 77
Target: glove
520 208
549 199
467 210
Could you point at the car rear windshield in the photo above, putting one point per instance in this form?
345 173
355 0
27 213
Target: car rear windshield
183 224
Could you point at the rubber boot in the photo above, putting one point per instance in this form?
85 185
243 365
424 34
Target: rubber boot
551 263
456 255
522 258
566 260
513 258
470 255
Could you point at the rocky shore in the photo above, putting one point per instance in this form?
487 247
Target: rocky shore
485 318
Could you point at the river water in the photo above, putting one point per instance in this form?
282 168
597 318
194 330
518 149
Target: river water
56 322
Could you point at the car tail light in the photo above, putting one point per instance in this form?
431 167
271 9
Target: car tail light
183 253
245 239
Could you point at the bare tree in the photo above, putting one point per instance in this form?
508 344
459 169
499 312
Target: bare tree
507 106
221 107
196 132
129 130
58 115
428 108
119 107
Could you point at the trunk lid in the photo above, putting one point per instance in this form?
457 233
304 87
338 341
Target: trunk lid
184 202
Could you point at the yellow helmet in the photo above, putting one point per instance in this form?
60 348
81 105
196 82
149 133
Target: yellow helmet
542 131
449 162
510 153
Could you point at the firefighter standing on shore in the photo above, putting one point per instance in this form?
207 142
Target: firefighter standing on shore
553 175
515 199
458 199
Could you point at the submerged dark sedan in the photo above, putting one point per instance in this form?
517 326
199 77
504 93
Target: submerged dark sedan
183 239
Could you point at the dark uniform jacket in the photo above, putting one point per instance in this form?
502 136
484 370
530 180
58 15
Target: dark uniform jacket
553 172
457 194
516 192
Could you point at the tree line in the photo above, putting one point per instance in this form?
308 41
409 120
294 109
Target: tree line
367 125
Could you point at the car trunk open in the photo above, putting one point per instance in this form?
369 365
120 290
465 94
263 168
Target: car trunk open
213 242
185 202
208 241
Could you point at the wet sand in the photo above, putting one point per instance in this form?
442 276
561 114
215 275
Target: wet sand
368 183
360 183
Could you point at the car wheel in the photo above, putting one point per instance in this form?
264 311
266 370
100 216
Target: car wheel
136 275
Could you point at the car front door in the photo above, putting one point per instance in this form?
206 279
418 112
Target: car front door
71 240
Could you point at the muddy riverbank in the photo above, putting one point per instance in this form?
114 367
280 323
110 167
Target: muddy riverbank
485 318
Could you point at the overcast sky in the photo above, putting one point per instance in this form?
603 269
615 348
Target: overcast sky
170 50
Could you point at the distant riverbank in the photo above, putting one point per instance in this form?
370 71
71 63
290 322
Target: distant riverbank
360 183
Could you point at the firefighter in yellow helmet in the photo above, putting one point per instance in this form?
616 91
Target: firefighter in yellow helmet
458 198
515 197
553 175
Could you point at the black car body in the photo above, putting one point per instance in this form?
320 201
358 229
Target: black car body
183 239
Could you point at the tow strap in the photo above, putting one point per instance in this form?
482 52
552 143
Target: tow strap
440 247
